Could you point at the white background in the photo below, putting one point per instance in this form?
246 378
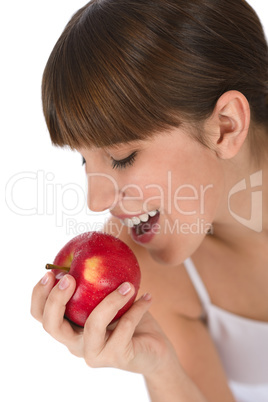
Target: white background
33 365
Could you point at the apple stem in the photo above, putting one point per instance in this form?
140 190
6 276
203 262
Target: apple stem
52 266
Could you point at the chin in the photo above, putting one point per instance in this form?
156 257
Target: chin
167 258
176 252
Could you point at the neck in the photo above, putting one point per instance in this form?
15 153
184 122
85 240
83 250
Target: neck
242 218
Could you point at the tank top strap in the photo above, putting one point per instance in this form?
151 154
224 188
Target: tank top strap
197 282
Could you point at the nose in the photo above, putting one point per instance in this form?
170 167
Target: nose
103 192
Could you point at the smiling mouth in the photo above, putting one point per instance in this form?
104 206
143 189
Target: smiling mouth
143 223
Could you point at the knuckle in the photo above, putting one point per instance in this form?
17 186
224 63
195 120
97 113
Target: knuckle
109 358
126 323
47 325
92 362
34 313
92 324
73 350
95 359
50 327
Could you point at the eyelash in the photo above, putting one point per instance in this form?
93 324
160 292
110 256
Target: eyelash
123 163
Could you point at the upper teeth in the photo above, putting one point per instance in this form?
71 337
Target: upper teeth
135 220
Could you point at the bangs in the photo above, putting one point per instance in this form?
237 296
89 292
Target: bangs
123 70
98 87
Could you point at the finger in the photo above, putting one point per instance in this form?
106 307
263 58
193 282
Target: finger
53 316
40 294
127 324
101 316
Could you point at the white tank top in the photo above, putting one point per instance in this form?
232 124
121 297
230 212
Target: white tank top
242 344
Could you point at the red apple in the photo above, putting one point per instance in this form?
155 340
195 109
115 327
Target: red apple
99 263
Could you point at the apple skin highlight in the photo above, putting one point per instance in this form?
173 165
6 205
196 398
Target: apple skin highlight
99 262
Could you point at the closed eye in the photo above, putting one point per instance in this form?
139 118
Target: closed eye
123 163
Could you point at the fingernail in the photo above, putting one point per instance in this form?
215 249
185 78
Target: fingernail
147 297
60 275
124 288
64 283
45 279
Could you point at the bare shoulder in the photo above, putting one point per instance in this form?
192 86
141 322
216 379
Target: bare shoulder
170 287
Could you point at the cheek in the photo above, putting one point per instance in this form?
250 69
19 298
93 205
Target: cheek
195 191
196 201
188 199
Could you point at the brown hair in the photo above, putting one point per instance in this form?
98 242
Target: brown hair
124 69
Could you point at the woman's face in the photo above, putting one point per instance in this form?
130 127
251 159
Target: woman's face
166 190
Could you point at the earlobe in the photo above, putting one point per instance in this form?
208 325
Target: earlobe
231 118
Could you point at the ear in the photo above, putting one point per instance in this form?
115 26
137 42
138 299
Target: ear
229 124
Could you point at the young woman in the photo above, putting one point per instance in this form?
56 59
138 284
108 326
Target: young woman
167 102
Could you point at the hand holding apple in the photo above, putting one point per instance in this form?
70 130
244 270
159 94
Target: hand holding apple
99 263
136 343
